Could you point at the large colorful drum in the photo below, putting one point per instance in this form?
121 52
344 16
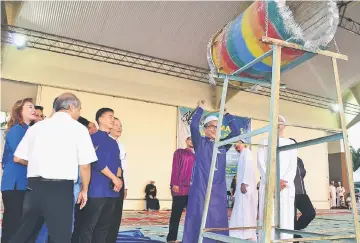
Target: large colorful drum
309 23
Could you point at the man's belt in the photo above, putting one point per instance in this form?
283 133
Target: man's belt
45 179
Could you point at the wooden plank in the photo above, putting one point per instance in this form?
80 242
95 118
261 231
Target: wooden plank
225 238
349 167
321 238
299 47
325 129
326 139
234 228
213 162
272 148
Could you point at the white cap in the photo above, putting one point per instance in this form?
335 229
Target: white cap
281 120
209 119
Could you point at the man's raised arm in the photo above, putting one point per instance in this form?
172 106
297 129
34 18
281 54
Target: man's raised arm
195 123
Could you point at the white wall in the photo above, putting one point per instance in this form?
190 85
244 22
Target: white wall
148 136
150 139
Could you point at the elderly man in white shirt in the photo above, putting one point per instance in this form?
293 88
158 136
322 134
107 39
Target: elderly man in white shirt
115 133
54 150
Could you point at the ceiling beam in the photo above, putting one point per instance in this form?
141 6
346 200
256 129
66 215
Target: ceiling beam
213 98
349 25
9 13
355 91
3 14
345 22
353 121
81 49
234 88
12 9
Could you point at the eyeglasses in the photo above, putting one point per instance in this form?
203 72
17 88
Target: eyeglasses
211 127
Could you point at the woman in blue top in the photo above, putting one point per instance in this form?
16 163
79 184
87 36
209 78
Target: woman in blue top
14 181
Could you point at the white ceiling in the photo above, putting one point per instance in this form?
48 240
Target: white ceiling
178 31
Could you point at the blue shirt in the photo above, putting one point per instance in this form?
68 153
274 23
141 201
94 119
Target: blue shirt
14 174
108 153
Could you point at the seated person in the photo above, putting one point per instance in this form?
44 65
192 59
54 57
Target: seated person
152 203
348 202
342 203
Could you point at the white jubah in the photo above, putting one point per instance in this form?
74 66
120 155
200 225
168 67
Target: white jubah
332 190
245 208
288 165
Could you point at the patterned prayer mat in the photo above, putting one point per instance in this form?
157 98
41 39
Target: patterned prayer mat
152 227
155 224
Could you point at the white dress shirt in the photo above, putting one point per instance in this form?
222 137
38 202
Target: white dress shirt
55 147
123 163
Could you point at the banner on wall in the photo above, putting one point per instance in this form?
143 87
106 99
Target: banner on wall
232 155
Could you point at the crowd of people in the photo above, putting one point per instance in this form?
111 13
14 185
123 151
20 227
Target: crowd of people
47 166
191 169
65 177
337 195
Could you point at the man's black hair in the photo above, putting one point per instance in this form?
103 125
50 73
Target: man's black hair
39 107
83 121
100 112
54 102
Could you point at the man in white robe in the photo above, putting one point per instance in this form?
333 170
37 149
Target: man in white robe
340 191
288 166
332 190
244 212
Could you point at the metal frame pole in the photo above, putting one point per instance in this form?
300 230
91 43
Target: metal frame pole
277 191
348 159
272 163
213 161
272 146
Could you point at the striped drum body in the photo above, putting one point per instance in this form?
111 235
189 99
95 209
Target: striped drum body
238 43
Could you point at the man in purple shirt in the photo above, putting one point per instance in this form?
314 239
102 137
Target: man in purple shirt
180 183
104 187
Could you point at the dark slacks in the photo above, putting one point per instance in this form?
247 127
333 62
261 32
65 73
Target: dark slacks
77 223
152 204
116 220
51 201
96 218
303 203
13 205
178 205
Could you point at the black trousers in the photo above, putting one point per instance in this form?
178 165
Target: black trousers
13 205
77 223
50 201
303 203
152 204
116 219
96 219
178 205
